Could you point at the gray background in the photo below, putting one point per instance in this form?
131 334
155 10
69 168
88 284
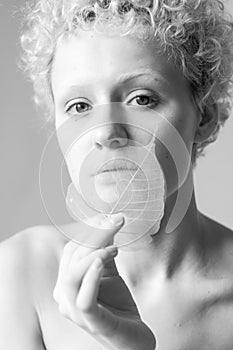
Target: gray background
22 139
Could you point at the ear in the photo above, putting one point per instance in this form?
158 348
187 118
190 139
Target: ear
208 123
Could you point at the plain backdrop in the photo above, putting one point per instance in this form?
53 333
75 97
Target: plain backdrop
22 139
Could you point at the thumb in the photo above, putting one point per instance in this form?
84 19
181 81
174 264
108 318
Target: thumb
110 268
104 231
95 232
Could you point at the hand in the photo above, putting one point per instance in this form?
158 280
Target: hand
90 292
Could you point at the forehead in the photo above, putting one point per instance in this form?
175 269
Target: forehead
96 57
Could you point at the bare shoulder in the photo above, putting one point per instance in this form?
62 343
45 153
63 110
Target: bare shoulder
219 244
15 252
23 258
29 251
23 245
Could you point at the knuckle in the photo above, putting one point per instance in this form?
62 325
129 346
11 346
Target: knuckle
99 253
75 260
68 248
103 253
82 307
55 294
63 310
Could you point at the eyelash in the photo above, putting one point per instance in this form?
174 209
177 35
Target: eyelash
155 99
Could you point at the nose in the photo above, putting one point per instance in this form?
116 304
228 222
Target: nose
111 136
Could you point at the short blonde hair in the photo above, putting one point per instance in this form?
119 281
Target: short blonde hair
196 34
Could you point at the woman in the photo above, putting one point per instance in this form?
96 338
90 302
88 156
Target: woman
86 58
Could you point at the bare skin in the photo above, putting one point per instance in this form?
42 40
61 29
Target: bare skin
187 307
181 283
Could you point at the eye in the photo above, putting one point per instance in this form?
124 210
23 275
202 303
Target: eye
146 100
78 108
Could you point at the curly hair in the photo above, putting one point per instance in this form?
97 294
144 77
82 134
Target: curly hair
196 34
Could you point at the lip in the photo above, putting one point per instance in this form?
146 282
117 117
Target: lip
111 177
116 166
114 170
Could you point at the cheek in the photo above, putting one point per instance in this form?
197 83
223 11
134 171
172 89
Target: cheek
74 159
186 127
168 166
74 152
174 149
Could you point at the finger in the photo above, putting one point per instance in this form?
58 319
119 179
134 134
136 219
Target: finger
70 283
104 232
87 297
100 236
64 262
78 267
72 247
110 268
96 317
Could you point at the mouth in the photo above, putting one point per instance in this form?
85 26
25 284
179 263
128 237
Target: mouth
117 166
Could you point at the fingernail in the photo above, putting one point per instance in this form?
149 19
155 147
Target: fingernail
98 264
112 250
117 219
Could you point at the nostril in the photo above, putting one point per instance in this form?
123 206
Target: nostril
111 136
99 145
115 143
111 143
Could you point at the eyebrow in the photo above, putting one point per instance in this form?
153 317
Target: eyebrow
125 77
135 74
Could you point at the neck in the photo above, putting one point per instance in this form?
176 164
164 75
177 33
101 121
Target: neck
168 253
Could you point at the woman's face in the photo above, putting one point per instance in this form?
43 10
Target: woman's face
99 83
